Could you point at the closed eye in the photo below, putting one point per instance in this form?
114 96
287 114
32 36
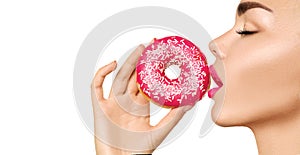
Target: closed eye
245 32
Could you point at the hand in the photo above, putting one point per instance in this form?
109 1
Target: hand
122 121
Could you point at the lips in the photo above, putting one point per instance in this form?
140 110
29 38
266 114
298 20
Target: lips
217 80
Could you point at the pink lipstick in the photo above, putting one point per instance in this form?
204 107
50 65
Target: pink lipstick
217 80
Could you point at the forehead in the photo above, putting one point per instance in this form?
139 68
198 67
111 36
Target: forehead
281 8
277 4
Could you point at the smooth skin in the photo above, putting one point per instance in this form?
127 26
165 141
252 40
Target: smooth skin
122 121
258 61
261 75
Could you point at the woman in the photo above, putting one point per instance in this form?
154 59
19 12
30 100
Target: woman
259 57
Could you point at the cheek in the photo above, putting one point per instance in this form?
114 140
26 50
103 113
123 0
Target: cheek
261 82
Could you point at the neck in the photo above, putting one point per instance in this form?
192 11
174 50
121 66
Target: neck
280 136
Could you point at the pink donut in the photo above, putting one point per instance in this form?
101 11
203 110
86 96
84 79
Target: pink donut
193 80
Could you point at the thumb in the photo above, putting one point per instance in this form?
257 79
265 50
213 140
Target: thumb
165 125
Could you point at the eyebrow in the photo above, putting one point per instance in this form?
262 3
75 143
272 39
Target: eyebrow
245 6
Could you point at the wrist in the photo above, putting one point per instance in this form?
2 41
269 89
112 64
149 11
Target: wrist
102 148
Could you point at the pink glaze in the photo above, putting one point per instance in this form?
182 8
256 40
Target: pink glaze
194 78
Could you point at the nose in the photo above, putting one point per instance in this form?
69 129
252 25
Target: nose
217 47
213 48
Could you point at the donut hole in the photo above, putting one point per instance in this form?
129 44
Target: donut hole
172 72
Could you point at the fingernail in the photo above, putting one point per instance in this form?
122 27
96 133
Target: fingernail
114 63
153 40
140 47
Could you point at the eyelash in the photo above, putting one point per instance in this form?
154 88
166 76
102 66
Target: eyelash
245 32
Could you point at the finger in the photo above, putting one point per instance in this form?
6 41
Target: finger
133 88
132 85
99 78
132 105
143 98
169 121
122 78
152 41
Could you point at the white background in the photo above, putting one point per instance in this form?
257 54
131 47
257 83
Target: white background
39 41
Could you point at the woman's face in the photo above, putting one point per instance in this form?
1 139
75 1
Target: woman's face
258 61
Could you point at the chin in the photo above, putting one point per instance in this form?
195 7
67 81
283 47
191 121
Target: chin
225 120
219 114
225 117
230 118
219 118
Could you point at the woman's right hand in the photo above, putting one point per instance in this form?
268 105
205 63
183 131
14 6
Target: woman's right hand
122 121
